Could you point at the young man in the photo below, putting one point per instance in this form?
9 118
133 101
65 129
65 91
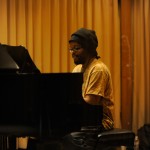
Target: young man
97 84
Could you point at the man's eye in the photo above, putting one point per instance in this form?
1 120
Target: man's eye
74 49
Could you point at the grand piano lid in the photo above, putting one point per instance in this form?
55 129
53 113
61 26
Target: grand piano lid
6 61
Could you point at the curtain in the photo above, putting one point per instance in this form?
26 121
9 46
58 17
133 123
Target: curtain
141 50
44 28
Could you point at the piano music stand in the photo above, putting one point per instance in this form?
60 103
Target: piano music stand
7 64
16 59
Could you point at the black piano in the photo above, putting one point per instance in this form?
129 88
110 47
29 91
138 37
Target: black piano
50 102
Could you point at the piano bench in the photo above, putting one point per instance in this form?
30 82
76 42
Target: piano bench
91 140
116 138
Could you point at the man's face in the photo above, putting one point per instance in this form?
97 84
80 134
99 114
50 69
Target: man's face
79 54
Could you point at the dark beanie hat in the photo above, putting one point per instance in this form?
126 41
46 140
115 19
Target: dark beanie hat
87 39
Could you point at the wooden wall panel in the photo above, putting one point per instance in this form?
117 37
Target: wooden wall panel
126 65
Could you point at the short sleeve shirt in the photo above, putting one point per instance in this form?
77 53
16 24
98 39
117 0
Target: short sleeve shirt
97 81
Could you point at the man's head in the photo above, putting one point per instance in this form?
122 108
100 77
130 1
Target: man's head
83 44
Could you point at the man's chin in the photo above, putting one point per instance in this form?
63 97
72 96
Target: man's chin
78 62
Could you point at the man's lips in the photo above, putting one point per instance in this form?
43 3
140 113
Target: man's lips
75 57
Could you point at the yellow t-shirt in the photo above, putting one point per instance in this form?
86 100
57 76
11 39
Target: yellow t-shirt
97 81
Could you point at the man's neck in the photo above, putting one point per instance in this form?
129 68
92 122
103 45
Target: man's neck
89 60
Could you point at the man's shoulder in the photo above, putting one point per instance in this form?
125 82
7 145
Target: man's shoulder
98 65
77 68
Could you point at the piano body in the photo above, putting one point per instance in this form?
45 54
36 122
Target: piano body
51 102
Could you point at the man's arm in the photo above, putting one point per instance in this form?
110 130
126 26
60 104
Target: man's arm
97 100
